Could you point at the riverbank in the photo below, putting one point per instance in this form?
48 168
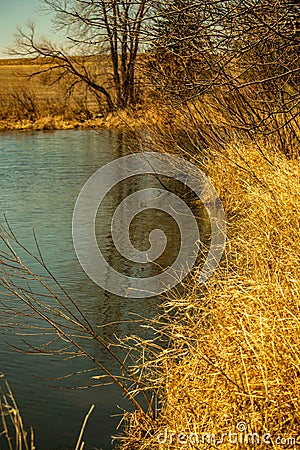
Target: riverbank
118 120
231 369
49 123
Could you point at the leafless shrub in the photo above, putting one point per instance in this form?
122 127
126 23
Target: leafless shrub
244 55
25 103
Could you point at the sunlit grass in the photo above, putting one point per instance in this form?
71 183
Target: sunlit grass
233 352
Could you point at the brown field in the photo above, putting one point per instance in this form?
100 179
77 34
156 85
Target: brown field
30 99
15 79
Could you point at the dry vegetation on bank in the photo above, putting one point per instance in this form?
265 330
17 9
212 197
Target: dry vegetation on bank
233 354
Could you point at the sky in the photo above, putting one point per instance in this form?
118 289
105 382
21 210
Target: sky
15 13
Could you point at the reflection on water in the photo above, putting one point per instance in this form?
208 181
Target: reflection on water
41 177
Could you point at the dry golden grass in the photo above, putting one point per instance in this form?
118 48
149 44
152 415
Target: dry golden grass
15 79
233 353
14 432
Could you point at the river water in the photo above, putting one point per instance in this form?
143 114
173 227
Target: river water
41 177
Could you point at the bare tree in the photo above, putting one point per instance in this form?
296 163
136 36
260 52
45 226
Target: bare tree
104 37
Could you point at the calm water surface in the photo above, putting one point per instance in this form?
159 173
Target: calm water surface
41 177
